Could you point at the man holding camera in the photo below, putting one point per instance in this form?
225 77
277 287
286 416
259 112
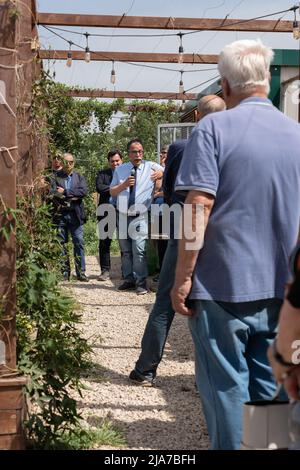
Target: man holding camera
68 190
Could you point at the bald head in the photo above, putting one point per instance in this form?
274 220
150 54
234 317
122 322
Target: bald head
209 104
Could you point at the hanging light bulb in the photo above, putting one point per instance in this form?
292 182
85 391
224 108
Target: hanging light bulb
181 87
113 74
180 50
183 106
296 32
87 55
69 56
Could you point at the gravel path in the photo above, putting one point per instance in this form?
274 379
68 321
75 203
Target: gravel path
162 418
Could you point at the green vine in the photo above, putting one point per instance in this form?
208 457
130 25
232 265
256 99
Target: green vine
51 351
8 222
7 230
14 12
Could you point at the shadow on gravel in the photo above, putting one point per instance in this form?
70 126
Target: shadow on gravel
174 422
183 430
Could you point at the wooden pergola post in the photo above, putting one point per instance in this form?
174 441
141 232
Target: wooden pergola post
11 396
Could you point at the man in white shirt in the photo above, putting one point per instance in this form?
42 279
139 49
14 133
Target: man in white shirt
133 185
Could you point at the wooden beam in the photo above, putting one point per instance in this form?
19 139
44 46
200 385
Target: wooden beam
132 95
155 22
131 57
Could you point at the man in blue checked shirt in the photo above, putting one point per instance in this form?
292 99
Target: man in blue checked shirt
133 186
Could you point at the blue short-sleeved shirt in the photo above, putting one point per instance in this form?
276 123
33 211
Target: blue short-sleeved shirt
249 159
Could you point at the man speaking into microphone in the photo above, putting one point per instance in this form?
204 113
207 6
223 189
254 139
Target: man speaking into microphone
132 185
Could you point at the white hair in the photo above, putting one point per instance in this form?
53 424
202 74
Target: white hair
245 64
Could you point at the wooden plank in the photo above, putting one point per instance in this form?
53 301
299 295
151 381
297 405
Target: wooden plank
11 398
12 442
131 56
8 157
155 22
132 94
10 422
18 381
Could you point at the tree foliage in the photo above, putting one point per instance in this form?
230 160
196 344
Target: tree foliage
141 121
68 120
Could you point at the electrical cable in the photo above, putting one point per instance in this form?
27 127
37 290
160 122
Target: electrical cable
126 61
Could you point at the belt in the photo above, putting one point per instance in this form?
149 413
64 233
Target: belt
133 214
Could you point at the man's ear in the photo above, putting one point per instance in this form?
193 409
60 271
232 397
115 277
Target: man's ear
225 88
197 115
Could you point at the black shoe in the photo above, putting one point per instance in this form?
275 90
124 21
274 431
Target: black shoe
141 380
155 278
104 276
66 276
82 277
141 290
127 285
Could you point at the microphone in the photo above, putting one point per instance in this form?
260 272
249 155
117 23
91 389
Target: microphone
132 173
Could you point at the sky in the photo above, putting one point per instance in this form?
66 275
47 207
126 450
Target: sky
135 78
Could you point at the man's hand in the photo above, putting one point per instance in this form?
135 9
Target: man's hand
129 182
279 371
289 377
179 294
292 384
59 189
157 175
158 194
289 331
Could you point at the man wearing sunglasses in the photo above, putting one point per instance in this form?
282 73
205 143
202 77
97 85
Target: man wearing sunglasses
69 189
57 163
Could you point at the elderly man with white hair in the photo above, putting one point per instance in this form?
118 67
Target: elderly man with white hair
242 167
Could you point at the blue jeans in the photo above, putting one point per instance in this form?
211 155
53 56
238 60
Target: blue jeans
160 318
69 223
231 340
133 248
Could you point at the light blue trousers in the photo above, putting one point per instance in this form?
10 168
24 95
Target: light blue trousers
133 234
231 341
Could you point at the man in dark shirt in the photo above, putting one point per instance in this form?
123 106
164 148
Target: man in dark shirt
162 314
103 181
